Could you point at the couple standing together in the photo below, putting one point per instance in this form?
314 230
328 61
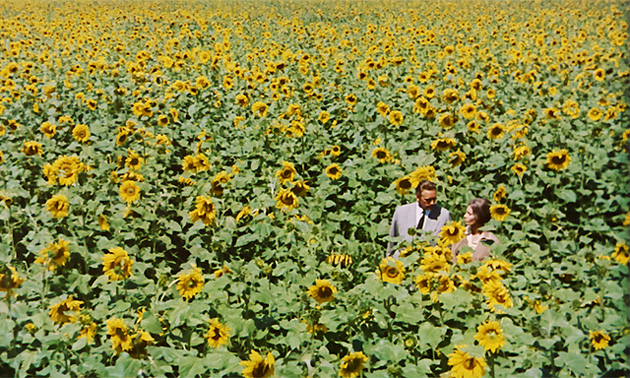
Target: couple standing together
426 215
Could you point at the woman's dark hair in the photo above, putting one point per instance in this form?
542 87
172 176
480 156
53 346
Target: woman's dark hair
481 209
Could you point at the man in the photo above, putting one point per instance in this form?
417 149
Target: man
424 215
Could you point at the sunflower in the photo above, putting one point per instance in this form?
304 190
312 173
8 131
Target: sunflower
287 173
133 160
58 206
55 255
424 283
59 313
322 291
351 99
403 185
201 162
434 263
496 294
300 188
496 131
396 117
443 144
32 148
423 172
599 339
352 365
335 150
9 280
621 253
119 335
286 200
382 108
473 126
88 331
381 154
67 169
391 270
103 223
500 193
519 169
595 114
520 151
129 191
256 367
189 284
260 108
468 111
81 133
599 74
452 233
447 120
464 365
413 91
204 210
450 95
217 333
558 160
333 171
499 212
117 264
323 117
490 336
48 129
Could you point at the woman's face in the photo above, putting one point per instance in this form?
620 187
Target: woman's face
470 218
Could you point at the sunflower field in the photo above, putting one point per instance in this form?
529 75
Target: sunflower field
205 188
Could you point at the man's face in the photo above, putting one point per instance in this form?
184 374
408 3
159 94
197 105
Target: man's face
427 199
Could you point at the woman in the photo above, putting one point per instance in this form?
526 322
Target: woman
477 214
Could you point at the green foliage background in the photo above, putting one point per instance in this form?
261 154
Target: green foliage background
560 235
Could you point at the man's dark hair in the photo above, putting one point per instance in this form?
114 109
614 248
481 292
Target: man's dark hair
481 209
424 185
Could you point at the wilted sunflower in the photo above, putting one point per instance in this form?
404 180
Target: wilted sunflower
381 154
189 284
496 131
465 366
58 206
396 117
65 311
490 336
81 133
352 365
217 334
286 173
117 264
558 160
391 270
55 255
424 283
443 144
621 253
520 151
599 339
300 188
9 280
204 210
450 95
452 233
447 120
322 291
119 335
456 158
424 172
500 193
434 263
403 185
129 191
499 212
256 367
333 171
382 108
286 200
